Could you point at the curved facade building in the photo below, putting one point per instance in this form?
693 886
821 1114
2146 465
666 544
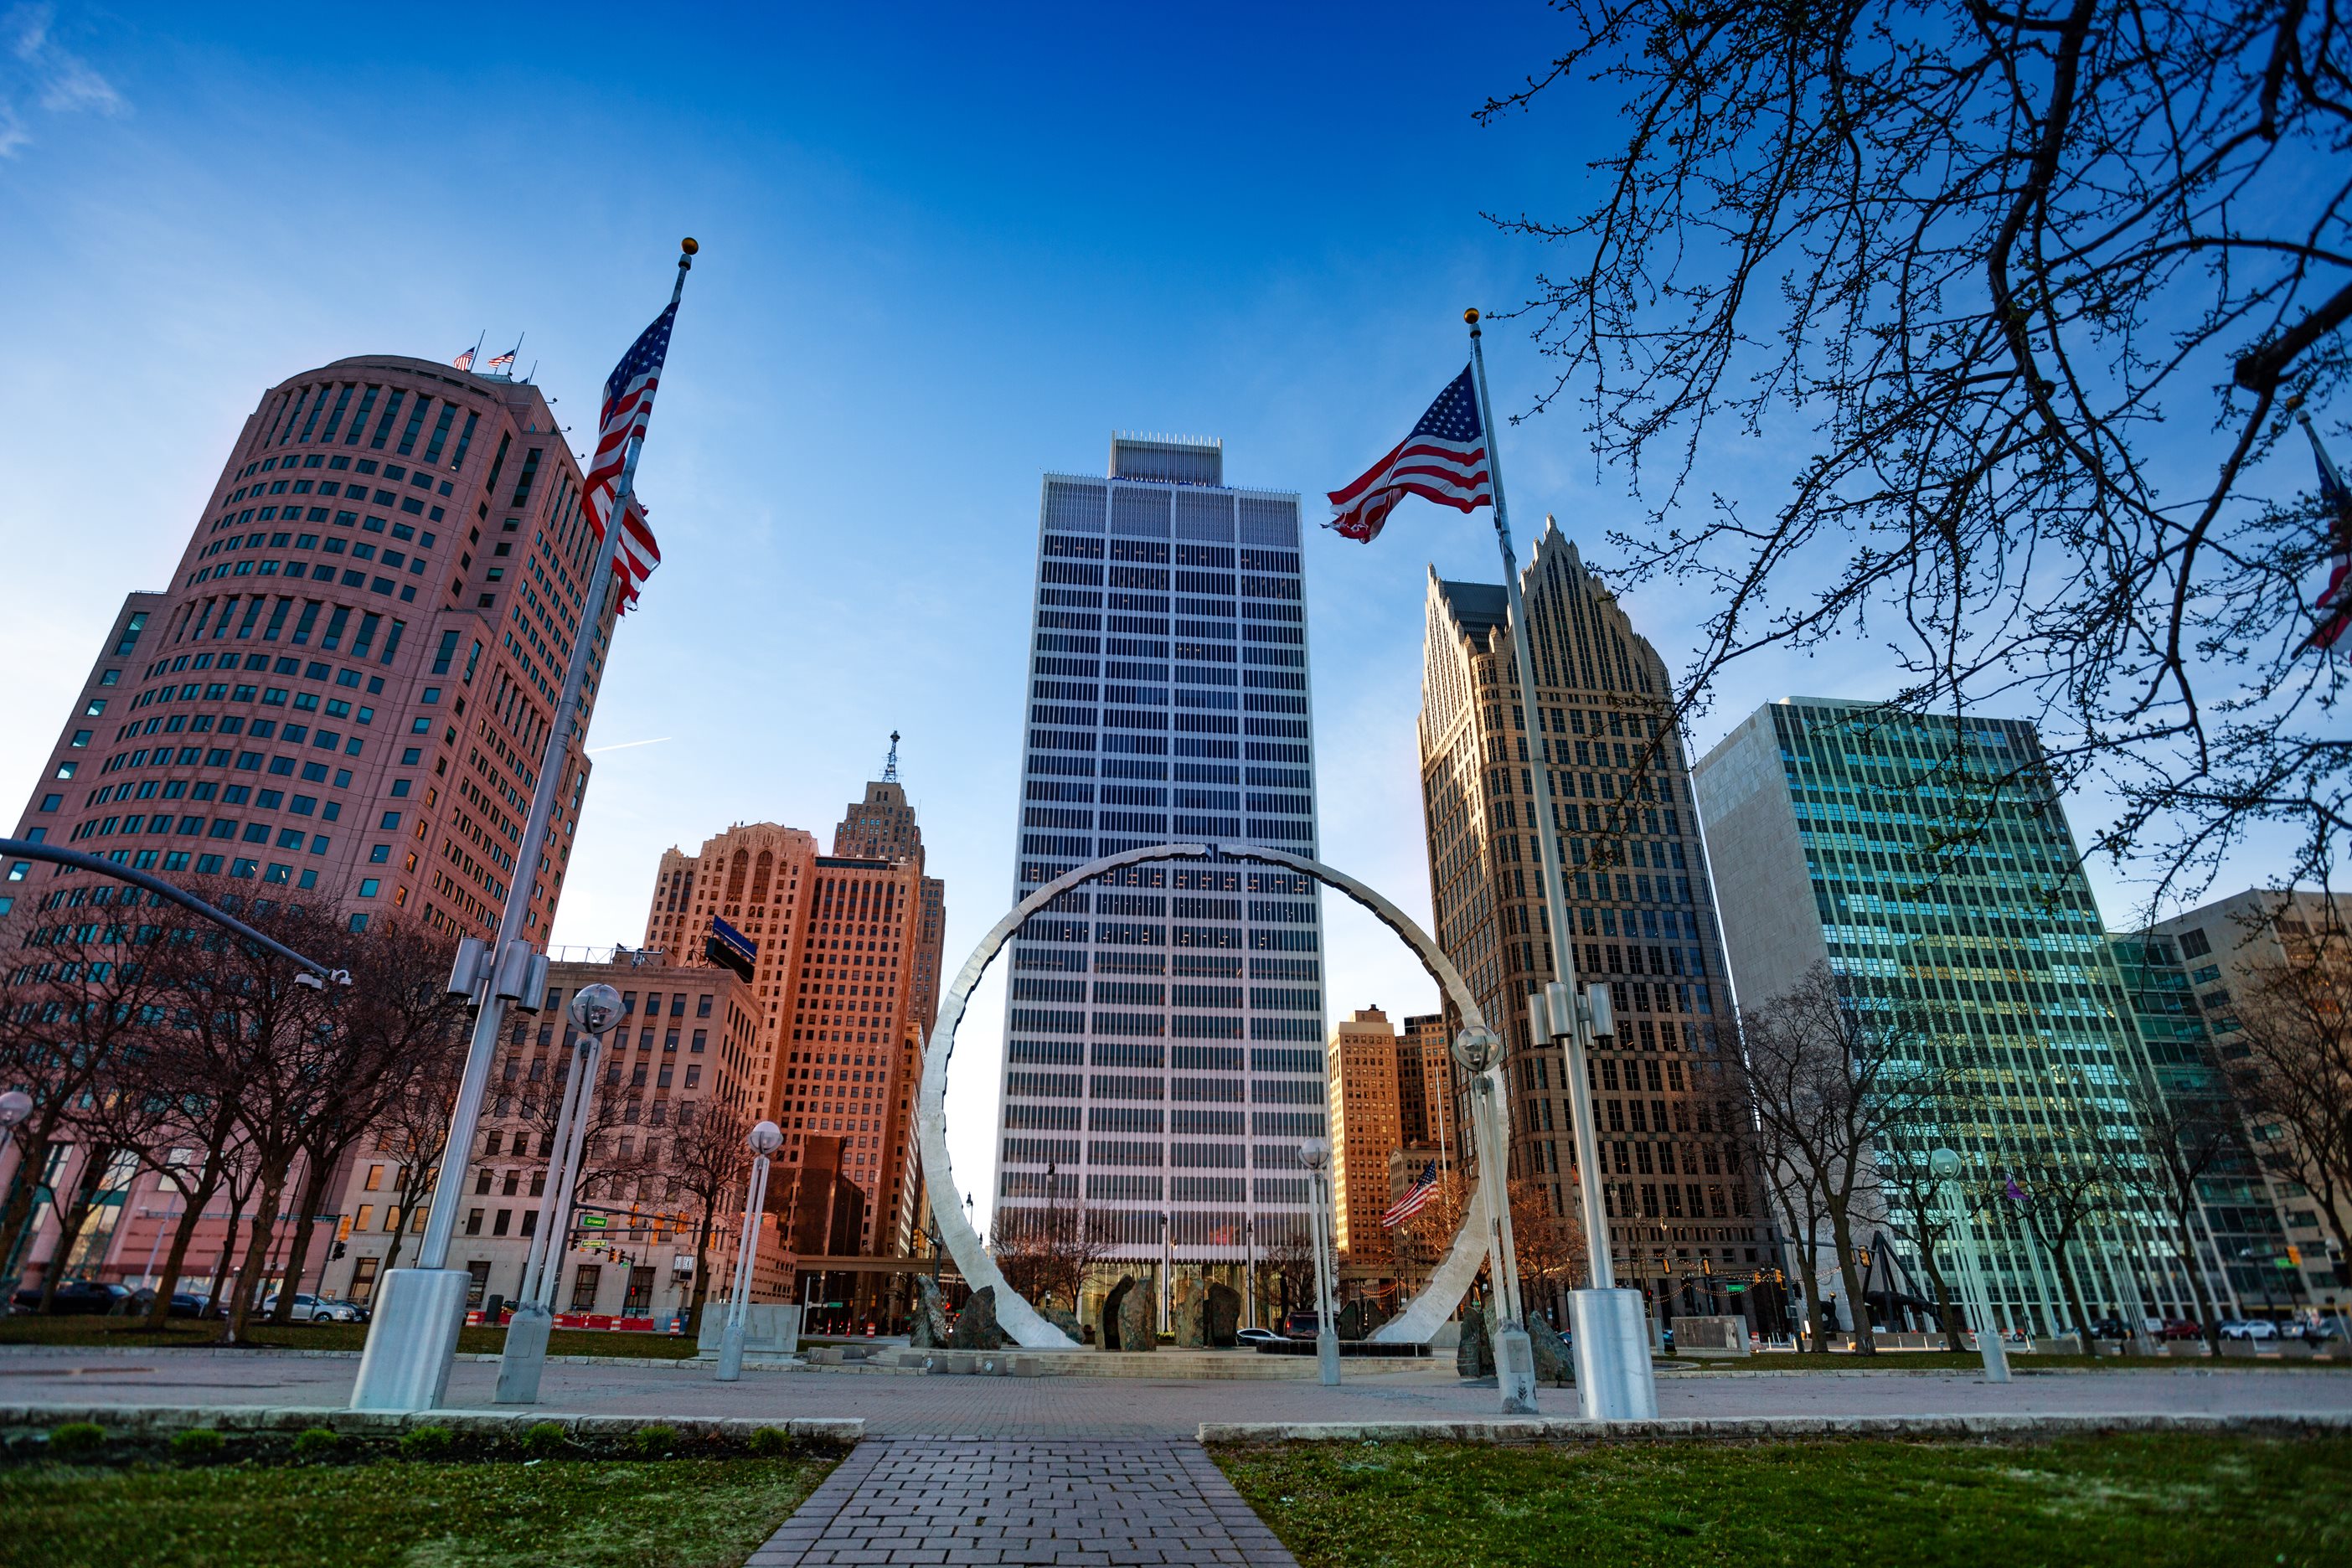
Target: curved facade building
346 690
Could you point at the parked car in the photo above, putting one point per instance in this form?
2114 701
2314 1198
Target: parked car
78 1297
185 1304
1248 1337
1300 1326
310 1308
2312 1331
2249 1329
2177 1329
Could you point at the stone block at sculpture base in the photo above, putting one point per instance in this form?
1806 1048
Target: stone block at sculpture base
1114 1304
1351 1320
1726 1335
1224 1310
1554 1365
928 1327
976 1327
1137 1327
1189 1310
1064 1320
1474 1357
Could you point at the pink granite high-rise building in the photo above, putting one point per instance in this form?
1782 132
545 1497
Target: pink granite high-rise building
347 687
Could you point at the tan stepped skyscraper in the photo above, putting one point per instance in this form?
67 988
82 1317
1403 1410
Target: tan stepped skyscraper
1677 1177
843 953
1365 1132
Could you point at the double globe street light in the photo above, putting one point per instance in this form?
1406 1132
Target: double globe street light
763 1140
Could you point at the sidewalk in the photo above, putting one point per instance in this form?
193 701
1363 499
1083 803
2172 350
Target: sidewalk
1137 1408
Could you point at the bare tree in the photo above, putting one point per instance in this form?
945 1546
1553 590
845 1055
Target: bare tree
398 1026
1048 1251
2019 287
707 1163
2295 1021
1915 1207
1832 1076
2061 1194
80 995
1550 1248
2189 1135
413 1128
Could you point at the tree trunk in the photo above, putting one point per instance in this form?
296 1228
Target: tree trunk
298 1254
183 1235
2209 1326
70 1220
2073 1299
1841 1234
256 1255
701 1276
218 1298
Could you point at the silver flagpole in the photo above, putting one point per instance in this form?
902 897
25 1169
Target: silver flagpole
413 1339
1613 1375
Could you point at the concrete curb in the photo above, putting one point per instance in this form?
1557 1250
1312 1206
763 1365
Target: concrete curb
1740 1428
295 1352
157 1418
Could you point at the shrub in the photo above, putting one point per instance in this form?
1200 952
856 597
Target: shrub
656 1441
769 1441
198 1444
545 1439
427 1442
317 1442
77 1439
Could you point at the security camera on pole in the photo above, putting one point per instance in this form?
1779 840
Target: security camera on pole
1945 1166
1315 1154
595 1010
414 1338
763 1141
1449 458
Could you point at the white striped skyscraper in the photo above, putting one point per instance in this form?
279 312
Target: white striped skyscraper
1164 1028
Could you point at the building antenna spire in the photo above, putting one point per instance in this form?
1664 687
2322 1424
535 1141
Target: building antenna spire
890 768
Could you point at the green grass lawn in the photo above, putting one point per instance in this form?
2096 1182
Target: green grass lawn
2148 1501
30 1330
559 1513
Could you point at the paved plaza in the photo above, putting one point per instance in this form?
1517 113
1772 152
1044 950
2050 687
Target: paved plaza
1135 1408
909 1500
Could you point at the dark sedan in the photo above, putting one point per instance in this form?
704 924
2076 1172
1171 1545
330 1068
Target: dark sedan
78 1297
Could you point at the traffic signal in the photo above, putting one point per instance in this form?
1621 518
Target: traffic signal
341 1248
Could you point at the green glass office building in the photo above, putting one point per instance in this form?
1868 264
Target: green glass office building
1927 861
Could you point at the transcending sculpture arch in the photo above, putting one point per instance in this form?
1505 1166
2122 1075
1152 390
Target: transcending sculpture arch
1421 1317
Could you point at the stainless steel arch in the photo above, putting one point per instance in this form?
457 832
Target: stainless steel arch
1421 1317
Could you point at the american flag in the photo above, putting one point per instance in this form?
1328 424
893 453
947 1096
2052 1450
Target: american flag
628 406
1443 461
1415 1199
463 361
2334 606
506 359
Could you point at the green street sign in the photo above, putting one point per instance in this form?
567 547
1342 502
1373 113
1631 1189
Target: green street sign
591 1222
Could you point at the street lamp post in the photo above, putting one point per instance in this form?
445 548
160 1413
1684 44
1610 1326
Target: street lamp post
1945 1166
1481 1053
594 1009
764 1140
1315 1154
1249 1273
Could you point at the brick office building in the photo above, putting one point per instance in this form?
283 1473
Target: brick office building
845 959
686 1048
347 688
1365 1132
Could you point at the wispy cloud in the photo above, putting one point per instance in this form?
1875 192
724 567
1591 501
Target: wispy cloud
625 745
37 71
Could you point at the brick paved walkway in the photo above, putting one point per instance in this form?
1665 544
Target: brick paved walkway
958 1500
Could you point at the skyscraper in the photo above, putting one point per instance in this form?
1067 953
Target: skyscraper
1164 1028
1365 1134
345 690
1678 1178
843 952
1929 861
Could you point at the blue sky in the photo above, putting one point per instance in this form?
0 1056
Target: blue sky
945 249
